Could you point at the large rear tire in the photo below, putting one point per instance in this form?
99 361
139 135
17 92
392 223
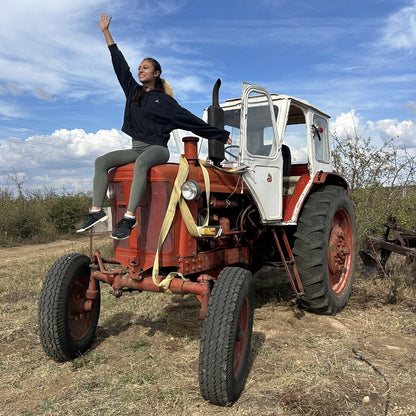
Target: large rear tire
226 337
324 250
66 329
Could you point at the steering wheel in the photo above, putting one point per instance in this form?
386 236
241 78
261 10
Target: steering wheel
231 156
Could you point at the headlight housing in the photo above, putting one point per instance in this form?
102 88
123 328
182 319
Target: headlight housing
190 190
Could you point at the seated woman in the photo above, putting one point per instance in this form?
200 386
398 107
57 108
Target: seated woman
150 115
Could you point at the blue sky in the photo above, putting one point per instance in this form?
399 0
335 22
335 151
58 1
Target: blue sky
61 105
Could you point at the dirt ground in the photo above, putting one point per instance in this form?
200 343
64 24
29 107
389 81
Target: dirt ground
144 360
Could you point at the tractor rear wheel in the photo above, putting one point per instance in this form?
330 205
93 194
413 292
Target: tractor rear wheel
66 329
226 337
324 249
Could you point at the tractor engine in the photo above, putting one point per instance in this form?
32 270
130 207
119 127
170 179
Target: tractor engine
229 226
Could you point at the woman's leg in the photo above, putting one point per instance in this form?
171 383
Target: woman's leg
102 165
100 184
151 155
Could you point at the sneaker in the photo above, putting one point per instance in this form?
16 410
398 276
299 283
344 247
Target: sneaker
123 228
93 218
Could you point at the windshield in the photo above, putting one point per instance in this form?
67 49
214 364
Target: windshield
260 133
232 124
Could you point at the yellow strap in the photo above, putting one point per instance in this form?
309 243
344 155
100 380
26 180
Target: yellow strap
186 214
175 199
232 171
193 229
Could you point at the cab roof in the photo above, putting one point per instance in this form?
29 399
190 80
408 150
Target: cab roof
276 97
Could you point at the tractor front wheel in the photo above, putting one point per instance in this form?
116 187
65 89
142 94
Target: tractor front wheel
325 251
226 337
66 326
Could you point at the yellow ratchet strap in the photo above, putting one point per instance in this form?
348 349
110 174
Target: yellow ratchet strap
194 230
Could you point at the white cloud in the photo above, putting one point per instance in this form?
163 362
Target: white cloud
400 32
63 160
42 94
9 110
66 156
410 106
186 85
351 124
14 89
347 124
404 131
55 49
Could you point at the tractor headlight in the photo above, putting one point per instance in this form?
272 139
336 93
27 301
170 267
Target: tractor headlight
190 190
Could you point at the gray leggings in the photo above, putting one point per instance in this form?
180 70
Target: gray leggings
144 157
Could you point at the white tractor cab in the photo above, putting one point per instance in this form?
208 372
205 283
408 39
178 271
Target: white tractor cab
276 139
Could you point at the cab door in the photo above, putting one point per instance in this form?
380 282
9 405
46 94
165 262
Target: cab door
262 126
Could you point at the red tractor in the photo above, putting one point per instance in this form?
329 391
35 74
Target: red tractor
205 227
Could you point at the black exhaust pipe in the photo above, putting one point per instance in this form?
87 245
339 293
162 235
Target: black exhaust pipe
216 119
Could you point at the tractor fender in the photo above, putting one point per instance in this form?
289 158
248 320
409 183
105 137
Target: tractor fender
306 185
331 178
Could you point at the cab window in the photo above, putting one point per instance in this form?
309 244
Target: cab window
320 139
232 124
260 133
295 135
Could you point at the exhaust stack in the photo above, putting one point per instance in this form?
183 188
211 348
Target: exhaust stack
216 119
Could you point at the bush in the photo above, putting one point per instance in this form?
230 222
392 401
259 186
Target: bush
382 181
38 217
22 219
373 205
65 212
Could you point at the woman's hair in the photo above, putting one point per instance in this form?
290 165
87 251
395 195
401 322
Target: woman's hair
158 82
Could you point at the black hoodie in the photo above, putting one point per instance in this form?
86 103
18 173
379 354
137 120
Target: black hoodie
158 113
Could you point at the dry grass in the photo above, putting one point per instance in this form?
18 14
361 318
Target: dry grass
144 360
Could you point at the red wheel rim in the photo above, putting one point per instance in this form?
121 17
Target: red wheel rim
241 337
79 320
340 251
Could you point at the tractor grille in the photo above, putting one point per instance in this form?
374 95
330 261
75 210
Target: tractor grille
150 216
152 212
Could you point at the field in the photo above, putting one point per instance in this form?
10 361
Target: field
144 360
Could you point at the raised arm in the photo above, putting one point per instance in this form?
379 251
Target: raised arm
104 24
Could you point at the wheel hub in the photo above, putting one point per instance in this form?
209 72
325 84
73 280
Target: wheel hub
338 250
241 338
79 318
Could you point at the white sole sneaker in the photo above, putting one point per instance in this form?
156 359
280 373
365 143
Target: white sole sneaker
102 219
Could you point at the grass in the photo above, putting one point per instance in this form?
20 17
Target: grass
144 360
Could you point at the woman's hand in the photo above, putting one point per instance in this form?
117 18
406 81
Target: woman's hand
105 22
229 141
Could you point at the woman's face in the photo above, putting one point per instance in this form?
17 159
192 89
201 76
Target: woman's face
147 73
